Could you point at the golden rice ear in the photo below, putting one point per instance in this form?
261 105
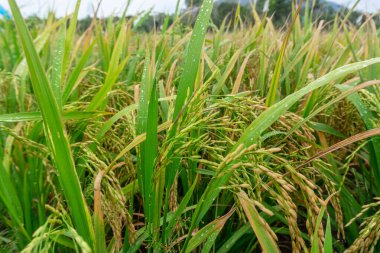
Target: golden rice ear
367 240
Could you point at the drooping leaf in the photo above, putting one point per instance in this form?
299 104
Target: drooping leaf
265 238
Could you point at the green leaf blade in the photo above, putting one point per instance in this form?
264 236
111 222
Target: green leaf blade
54 131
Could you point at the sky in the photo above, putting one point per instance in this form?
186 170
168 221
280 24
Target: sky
62 7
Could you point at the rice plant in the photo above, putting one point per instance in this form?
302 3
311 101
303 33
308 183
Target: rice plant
243 137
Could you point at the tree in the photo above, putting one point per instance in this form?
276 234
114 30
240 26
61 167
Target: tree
193 2
281 10
227 10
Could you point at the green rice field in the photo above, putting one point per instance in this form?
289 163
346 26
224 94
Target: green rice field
238 137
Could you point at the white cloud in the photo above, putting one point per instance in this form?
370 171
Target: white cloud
364 5
108 7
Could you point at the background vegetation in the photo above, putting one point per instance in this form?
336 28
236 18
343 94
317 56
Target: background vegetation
223 136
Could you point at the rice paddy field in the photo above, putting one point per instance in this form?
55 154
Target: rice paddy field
238 138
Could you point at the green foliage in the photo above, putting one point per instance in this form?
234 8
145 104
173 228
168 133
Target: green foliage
54 131
232 135
190 3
